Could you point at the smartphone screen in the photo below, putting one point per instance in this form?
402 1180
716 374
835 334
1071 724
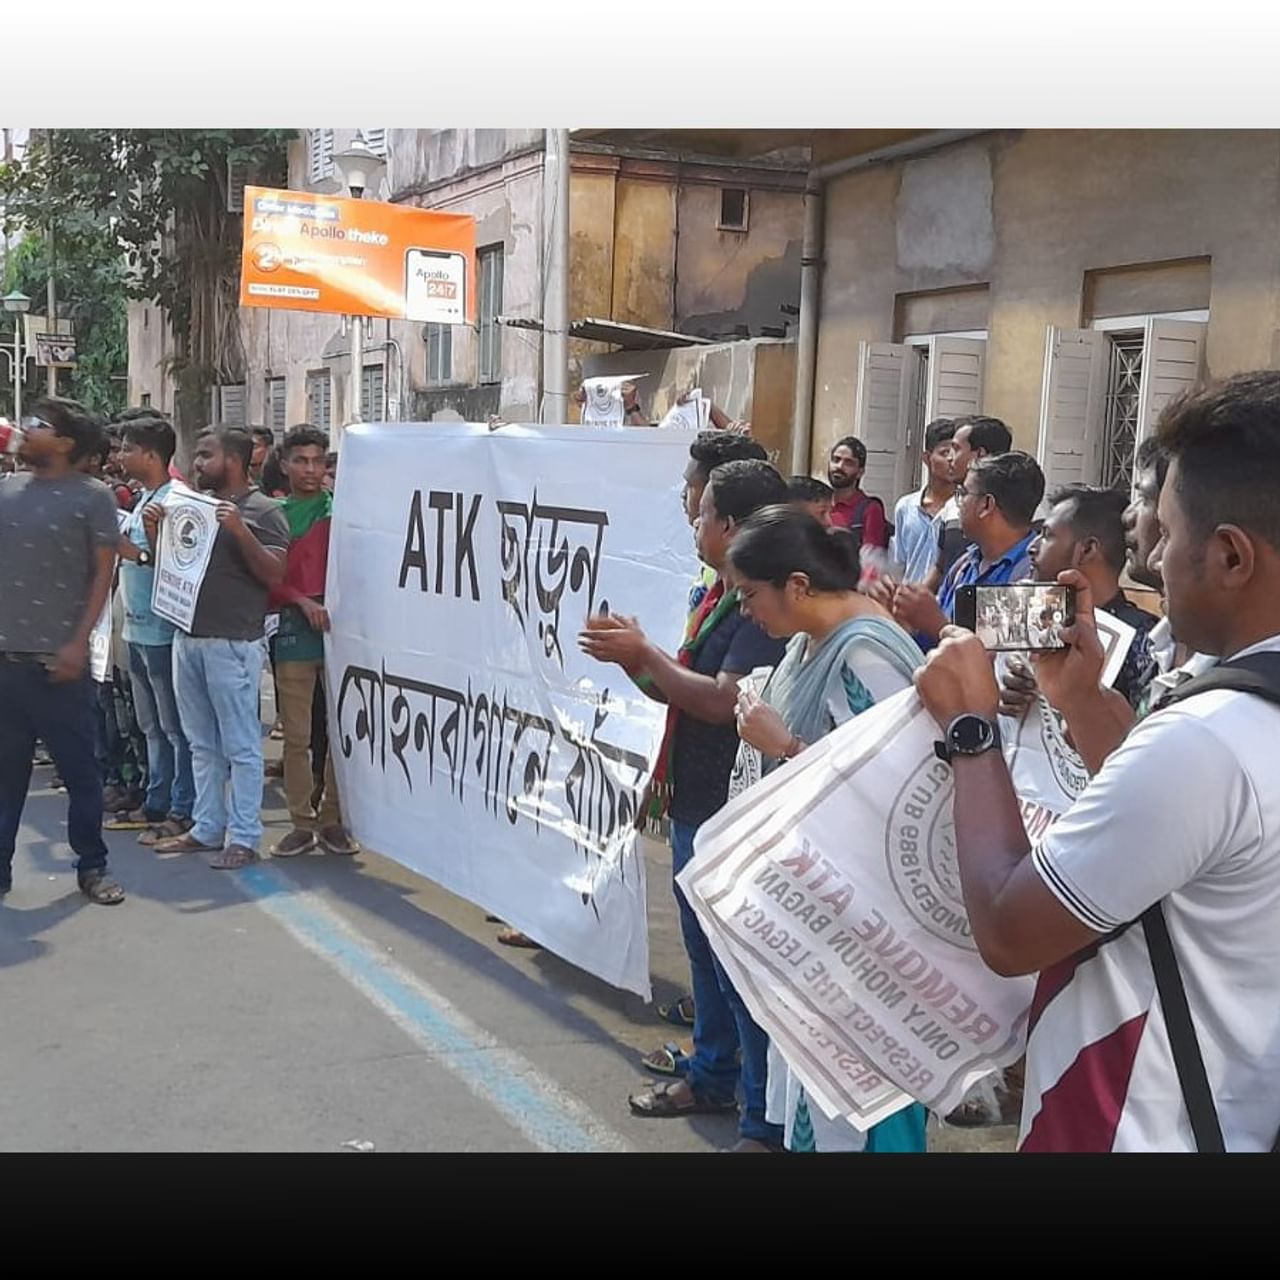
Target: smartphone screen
1021 616
435 286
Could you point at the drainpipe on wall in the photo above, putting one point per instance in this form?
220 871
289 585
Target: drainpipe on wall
811 274
555 312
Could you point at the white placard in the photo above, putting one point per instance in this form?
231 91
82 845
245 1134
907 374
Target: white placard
604 407
693 415
100 645
1117 639
187 534
473 741
830 893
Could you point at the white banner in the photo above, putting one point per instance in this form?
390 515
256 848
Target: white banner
186 542
473 741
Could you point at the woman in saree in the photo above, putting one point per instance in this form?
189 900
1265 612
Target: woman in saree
846 653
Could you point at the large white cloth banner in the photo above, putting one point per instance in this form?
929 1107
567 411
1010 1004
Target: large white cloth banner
474 743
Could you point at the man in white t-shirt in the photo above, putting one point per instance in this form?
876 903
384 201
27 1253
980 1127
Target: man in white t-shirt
1186 812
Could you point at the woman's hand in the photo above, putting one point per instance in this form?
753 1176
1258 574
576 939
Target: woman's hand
760 726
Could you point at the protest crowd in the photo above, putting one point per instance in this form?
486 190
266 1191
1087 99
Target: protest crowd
1148 914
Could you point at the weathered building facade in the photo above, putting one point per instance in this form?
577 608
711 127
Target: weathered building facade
660 240
1068 281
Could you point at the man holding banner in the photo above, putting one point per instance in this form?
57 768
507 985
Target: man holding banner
217 663
700 687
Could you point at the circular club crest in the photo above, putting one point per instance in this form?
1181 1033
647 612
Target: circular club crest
188 524
1069 770
920 851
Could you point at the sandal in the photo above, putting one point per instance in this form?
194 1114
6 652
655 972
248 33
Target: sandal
662 1102
679 1014
135 820
166 830
514 938
184 843
233 858
670 1060
336 839
296 842
99 887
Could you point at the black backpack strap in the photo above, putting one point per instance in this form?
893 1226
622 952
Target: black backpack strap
1187 1059
1258 673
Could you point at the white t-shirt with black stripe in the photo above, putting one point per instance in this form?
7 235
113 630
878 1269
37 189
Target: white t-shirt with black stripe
1188 811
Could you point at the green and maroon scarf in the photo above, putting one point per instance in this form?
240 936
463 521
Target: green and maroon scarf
702 622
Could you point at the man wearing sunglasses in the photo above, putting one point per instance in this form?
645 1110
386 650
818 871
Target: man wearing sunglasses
58 541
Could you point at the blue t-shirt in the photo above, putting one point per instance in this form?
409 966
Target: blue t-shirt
141 626
702 754
1014 566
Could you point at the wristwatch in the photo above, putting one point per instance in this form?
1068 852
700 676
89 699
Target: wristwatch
145 558
968 735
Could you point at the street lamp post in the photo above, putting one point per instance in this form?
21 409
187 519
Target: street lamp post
359 168
17 304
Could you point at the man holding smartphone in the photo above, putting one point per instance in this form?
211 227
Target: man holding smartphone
1180 824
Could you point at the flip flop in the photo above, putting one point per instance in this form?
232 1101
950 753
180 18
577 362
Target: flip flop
679 1014
670 1060
233 858
514 938
659 1103
183 844
99 887
338 840
169 829
134 820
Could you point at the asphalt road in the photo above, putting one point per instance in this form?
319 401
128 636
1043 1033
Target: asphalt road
308 1004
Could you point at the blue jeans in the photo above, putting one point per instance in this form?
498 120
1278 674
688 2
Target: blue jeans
62 717
171 789
217 686
721 1022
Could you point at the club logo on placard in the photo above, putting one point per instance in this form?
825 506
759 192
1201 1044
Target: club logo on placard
189 523
920 850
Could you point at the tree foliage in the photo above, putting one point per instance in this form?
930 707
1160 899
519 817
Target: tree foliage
162 196
89 278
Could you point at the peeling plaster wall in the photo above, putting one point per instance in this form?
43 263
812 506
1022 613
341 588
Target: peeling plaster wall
1030 213
752 380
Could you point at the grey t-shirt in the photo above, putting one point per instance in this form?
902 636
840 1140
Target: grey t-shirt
50 531
233 603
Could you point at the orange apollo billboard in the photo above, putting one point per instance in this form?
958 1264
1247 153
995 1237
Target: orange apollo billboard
305 252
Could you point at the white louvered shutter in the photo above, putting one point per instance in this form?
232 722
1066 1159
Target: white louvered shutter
1072 405
885 375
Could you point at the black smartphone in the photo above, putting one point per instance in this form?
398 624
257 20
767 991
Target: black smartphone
1020 616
